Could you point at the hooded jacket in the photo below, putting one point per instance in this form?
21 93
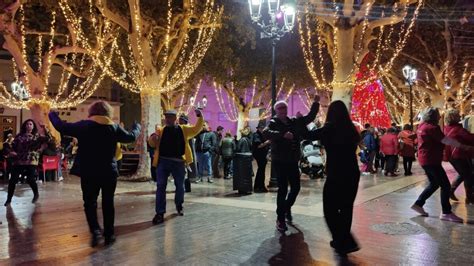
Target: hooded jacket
189 132
97 144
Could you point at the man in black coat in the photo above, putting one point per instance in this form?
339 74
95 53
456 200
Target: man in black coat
95 162
260 146
285 135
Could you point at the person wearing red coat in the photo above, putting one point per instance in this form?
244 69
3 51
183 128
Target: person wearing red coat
460 159
389 147
407 148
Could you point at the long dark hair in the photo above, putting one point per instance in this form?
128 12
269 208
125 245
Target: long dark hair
338 117
23 127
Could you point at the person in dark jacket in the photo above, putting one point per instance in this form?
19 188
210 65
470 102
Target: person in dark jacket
26 152
340 140
260 151
191 167
227 150
215 153
95 163
205 146
285 135
371 146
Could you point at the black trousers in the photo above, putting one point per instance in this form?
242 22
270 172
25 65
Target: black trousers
438 178
464 169
260 177
91 186
407 164
286 173
28 171
391 163
338 205
379 161
215 165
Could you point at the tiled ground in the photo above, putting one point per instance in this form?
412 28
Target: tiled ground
221 228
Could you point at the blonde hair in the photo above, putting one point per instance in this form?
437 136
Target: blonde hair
452 117
245 131
101 108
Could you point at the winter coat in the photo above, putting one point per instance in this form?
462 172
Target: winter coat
408 138
288 150
369 142
389 144
258 139
227 147
206 141
28 148
460 134
189 132
97 143
430 148
244 145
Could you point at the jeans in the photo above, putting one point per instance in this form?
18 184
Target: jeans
286 172
30 171
227 166
204 164
437 178
260 177
91 186
163 170
407 164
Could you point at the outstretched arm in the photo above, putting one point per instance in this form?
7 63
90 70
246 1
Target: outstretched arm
70 129
124 136
312 112
193 131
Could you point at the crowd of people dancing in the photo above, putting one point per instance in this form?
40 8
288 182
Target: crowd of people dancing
192 151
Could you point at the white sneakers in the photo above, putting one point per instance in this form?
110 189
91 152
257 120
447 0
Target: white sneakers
419 210
450 217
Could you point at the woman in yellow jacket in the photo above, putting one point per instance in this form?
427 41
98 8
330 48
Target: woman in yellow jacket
172 154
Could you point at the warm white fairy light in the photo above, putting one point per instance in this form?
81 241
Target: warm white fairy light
383 44
67 95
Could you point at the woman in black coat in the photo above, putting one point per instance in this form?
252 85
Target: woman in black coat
340 139
95 162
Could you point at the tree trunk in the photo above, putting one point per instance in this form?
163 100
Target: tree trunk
242 120
342 88
150 117
437 101
39 113
406 116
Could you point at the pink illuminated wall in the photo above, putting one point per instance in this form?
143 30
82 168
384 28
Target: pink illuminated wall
217 117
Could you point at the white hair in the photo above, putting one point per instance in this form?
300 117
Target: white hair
280 103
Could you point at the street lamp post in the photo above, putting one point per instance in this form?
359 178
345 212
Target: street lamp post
274 25
19 90
410 76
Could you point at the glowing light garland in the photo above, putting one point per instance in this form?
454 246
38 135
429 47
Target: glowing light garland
74 61
307 34
164 73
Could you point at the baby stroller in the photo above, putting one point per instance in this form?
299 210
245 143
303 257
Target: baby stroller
313 160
